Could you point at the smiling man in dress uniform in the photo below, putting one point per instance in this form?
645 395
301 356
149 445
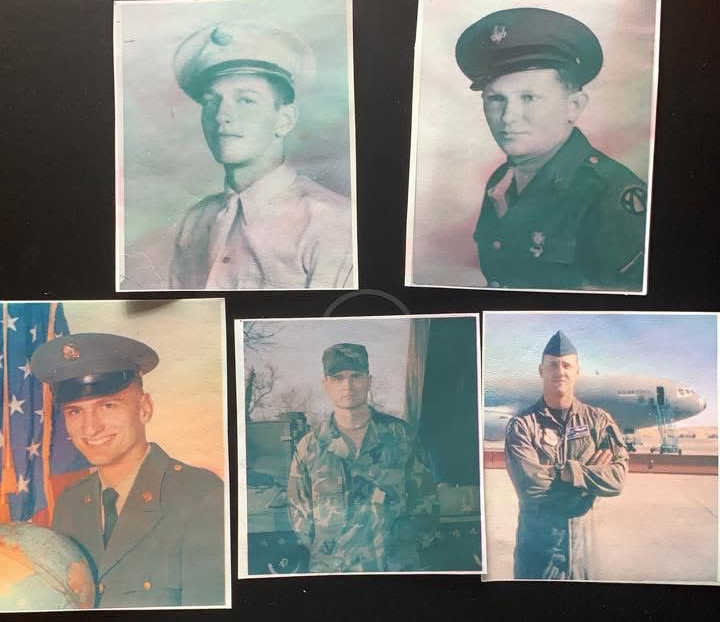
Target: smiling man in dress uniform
561 455
271 228
559 214
152 526
361 494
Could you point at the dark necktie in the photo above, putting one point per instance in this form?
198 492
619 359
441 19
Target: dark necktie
109 500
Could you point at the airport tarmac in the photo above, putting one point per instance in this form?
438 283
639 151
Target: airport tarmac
661 528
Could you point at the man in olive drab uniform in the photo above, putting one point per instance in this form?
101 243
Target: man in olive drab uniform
559 214
561 455
361 494
151 526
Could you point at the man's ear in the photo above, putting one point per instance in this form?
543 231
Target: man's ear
287 119
576 104
146 408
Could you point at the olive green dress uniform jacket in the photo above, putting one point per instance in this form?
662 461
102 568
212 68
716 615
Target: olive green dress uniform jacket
579 224
168 546
370 513
547 463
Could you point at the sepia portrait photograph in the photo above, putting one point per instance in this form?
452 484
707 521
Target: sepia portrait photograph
358 443
113 456
601 446
532 145
235 145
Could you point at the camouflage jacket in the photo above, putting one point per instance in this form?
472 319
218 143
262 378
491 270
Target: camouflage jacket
547 463
368 513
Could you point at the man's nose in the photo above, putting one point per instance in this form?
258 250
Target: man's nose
91 424
224 112
512 110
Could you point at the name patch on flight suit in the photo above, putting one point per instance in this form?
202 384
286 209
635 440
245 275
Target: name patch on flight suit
578 431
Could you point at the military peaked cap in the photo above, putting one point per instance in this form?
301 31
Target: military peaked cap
521 39
91 364
242 47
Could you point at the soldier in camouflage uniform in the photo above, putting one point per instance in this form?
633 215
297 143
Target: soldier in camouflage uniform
559 213
561 455
361 494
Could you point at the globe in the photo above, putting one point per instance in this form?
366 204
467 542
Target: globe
41 570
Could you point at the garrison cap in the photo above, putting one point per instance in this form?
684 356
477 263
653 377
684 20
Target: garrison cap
242 47
559 345
345 356
91 364
519 39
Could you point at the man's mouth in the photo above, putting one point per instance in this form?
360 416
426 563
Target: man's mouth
100 440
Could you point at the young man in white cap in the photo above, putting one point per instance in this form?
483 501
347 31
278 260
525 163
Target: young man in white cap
271 228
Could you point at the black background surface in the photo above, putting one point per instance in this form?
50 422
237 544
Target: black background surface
57 228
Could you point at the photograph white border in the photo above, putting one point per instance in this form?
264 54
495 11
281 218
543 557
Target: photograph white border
412 177
486 577
242 456
120 163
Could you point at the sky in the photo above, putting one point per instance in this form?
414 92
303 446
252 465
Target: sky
679 347
298 345
167 167
187 386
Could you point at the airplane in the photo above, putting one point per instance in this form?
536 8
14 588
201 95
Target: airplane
633 401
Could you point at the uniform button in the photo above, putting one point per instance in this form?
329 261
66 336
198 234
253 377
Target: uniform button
147 496
87 499
494 284
101 588
178 467
226 259
147 585
496 245
594 160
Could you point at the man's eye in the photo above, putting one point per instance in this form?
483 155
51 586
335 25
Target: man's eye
495 99
527 98
72 411
109 405
247 100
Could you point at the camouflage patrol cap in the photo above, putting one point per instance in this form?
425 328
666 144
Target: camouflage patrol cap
520 39
559 345
345 356
246 48
91 364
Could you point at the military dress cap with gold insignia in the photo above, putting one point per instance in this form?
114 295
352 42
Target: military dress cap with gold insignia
520 39
559 345
345 356
91 364
243 47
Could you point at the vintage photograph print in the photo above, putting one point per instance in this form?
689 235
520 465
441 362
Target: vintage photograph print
234 145
359 446
113 456
601 446
532 144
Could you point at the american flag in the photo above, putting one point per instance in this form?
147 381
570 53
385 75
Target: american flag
37 459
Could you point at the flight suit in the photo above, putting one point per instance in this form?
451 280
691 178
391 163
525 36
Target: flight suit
579 224
168 546
370 513
546 461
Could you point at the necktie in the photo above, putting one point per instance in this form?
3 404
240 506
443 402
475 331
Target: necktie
502 193
109 500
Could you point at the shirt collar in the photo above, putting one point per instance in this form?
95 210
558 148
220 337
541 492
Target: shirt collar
542 409
561 168
259 195
124 487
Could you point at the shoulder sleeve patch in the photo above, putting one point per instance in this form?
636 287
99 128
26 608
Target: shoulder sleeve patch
634 199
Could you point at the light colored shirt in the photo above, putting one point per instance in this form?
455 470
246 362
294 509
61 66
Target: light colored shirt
123 488
282 232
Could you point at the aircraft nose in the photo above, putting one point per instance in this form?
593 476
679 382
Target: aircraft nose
703 404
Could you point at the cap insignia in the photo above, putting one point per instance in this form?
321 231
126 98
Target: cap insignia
221 37
71 352
498 34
